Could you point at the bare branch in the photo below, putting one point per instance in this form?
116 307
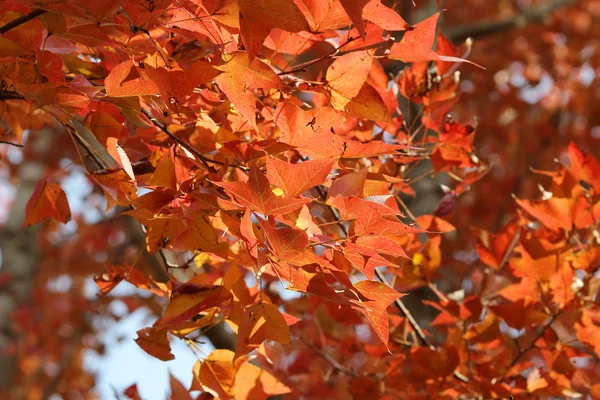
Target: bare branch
21 20
11 143
329 359
487 28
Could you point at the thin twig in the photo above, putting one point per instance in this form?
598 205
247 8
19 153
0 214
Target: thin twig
11 143
415 325
522 352
303 66
21 20
510 248
10 95
177 140
334 363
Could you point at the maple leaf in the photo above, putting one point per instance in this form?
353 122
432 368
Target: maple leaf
436 363
311 131
258 17
377 297
347 74
416 44
217 373
295 179
155 342
349 185
261 321
384 16
255 383
585 167
177 83
324 15
47 201
256 194
241 77
119 155
126 80
178 391
188 300
354 8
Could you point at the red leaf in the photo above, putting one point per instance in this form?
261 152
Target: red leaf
155 342
295 179
258 17
120 156
349 185
261 321
256 194
126 80
188 300
47 201
354 8
416 44
348 74
585 167
241 77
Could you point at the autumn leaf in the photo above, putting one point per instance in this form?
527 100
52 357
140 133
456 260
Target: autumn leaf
155 342
119 155
188 300
257 384
295 179
584 167
240 77
349 185
283 14
178 391
126 80
436 363
256 194
416 44
354 8
47 201
348 74
377 297
261 321
175 84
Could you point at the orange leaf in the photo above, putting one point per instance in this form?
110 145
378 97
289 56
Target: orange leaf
241 77
119 156
436 363
261 321
258 17
188 300
155 342
253 383
354 9
256 195
584 167
47 201
348 74
125 80
349 185
295 179
176 84
217 373
178 391
416 44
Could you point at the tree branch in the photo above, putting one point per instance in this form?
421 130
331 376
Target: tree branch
10 96
487 28
329 359
11 143
177 140
21 20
